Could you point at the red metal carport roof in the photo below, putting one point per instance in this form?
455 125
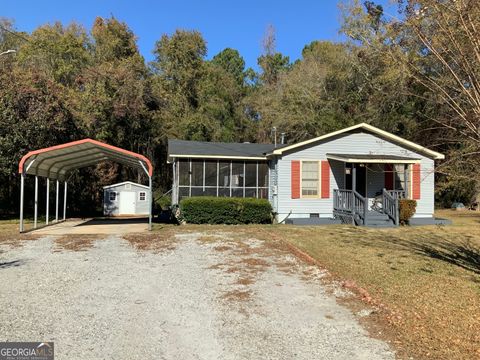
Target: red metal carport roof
56 161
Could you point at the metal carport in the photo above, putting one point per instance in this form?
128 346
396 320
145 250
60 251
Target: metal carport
56 162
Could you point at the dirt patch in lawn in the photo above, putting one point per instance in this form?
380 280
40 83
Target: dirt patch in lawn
160 240
75 242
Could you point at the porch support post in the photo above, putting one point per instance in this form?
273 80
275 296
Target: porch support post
405 174
150 203
22 188
35 204
56 201
47 201
354 177
64 200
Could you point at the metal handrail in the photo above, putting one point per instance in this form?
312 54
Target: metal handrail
390 205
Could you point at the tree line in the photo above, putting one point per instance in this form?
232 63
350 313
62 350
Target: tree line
415 73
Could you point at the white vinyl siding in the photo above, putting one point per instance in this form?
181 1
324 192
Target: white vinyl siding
351 143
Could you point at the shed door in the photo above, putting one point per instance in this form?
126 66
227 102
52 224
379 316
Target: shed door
127 203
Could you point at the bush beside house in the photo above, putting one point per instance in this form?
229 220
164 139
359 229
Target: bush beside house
218 210
407 209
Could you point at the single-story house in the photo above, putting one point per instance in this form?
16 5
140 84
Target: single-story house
354 175
126 199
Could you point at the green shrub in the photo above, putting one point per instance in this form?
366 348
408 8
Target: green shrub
222 210
407 209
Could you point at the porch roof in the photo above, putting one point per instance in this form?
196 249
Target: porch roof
373 158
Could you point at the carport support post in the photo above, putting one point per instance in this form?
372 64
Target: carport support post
150 201
35 205
47 201
22 185
56 202
64 200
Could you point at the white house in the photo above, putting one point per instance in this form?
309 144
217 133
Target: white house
354 175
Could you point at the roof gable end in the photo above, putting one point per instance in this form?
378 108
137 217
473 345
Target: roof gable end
385 134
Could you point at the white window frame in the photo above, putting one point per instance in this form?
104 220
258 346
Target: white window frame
318 181
110 197
140 195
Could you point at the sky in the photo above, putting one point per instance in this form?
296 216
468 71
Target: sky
236 24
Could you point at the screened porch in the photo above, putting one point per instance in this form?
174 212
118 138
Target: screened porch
219 177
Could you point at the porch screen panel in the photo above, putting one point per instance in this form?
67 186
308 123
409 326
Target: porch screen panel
250 179
197 173
210 174
183 173
224 178
310 178
263 180
237 179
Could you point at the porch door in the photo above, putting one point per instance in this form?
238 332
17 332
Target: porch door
360 178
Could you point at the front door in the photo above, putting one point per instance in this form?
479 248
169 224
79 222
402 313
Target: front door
127 203
360 178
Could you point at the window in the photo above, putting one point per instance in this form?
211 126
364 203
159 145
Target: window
310 178
112 196
142 196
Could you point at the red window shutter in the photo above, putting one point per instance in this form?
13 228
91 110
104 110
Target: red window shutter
388 176
295 179
325 171
416 181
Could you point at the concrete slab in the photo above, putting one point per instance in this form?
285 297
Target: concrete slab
117 226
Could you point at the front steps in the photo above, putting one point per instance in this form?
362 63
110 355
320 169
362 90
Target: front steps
378 220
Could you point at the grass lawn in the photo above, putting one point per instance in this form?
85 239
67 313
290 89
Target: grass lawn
426 279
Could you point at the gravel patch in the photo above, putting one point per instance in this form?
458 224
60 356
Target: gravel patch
202 299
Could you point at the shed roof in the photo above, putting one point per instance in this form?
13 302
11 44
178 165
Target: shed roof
124 183
56 162
218 150
373 158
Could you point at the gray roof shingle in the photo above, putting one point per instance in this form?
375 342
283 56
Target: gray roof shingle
203 148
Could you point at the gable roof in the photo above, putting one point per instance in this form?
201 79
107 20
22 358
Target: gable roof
218 150
55 162
385 134
124 183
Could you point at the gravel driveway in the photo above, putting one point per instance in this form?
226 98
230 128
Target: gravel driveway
200 297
